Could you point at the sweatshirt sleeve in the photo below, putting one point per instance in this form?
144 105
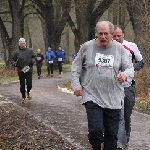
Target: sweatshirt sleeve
76 71
139 62
14 59
127 66
138 65
15 56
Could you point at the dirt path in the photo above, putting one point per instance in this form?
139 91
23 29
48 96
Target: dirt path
63 113
140 135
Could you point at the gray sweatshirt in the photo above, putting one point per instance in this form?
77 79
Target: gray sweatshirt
95 69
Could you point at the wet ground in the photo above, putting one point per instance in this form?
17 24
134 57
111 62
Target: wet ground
64 113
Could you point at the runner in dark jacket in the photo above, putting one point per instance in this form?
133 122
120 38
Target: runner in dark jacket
39 62
23 59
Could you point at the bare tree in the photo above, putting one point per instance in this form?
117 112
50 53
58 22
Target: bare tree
87 14
10 44
140 19
5 39
54 21
15 13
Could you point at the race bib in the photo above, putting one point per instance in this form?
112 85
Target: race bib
26 69
59 59
102 60
50 62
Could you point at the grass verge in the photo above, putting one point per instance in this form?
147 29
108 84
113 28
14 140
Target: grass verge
9 74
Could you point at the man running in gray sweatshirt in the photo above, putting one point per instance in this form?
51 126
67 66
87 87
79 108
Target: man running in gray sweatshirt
97 74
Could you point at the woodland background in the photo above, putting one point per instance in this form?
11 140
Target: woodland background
70 23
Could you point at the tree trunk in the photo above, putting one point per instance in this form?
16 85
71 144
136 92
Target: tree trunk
95 15
81 14
140 21
53 23
5 40
115 13
67 44
14 7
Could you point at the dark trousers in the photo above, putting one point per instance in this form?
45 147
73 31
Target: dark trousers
50 68
39 66
60 66
25 79
103 126
129 102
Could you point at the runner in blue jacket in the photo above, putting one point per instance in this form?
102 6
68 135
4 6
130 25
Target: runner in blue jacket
60 55
50 55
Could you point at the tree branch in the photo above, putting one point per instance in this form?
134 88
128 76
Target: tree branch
66 9
101 8
38 3
5 12
22 6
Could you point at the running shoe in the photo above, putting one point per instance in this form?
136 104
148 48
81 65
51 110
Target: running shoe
29 96
23 100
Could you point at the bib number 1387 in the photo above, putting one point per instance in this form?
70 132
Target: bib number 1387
102 60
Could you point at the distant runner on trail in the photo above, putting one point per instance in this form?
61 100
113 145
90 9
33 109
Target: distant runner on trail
60 55
129 88
39 62
50 55
23 59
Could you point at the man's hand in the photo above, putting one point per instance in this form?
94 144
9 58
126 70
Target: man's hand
78 91
121 77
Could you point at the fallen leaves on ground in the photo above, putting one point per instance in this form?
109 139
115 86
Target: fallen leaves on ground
21 131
